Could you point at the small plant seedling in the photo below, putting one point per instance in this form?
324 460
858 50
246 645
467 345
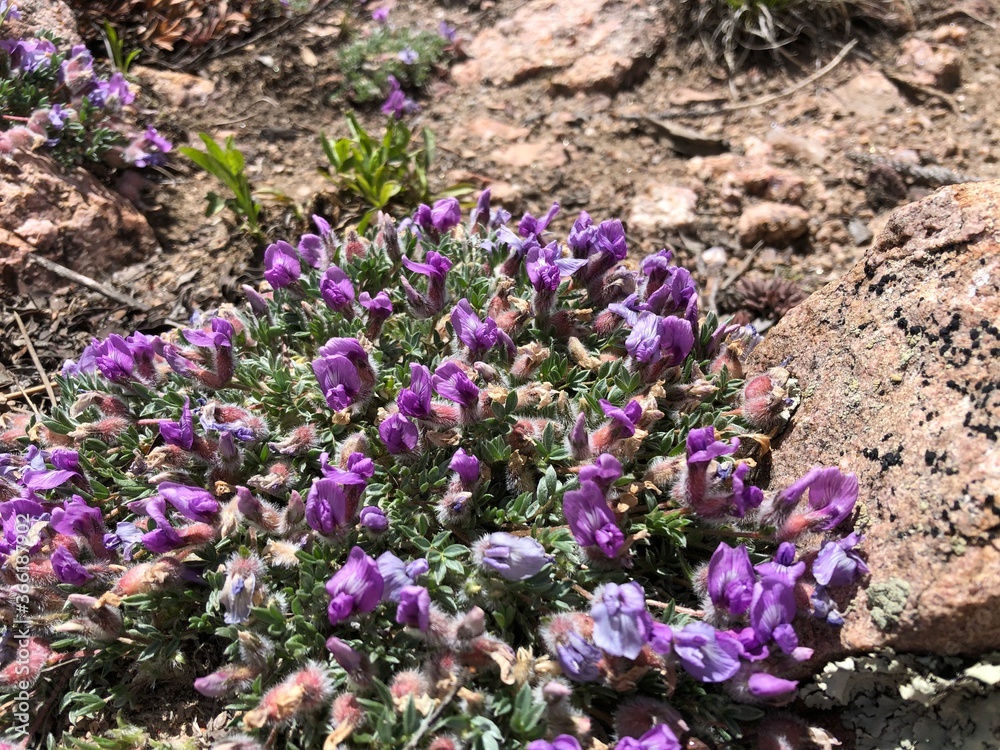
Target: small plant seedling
227 164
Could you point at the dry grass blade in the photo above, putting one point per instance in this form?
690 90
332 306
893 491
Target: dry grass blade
34 358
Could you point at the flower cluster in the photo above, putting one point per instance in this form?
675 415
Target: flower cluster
431 487
56 100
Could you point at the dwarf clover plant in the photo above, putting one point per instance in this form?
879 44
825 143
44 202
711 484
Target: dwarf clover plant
409 56
440 486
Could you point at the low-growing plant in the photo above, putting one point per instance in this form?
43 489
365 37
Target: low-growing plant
115 45
372 60
54 100
444 486
227 164
385 172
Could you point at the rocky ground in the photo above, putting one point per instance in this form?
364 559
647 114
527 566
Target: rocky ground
770 184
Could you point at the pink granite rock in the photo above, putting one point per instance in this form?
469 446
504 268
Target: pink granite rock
899 366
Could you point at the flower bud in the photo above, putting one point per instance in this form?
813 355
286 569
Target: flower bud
768 399
300 693
226 681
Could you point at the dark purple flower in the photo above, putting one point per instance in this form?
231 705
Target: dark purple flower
706 654
529 226
347 657
76 518
660 737
745 496
625 419
396 102
547 268
605 471
415 401
180 433
451 382
579 658
560 742
622 626
281 265
591 521
399 434
610 239
731 579
148 150
414 607
466 466
478 335
114 359
446 214
582 236
379 307
355 588
837 564
68 569
193 503
656 267
481 213
327 507
832 496
336 289
28 54
220 335
515 558
435 267
702 447
783 565
824 607
773 604
359 469
338 380
373 519
397 575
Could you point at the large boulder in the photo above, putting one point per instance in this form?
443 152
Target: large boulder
899 365
69 217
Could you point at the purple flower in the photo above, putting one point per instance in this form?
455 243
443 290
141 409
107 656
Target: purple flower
582 236
660 737
547 268
591 521
513 557
605 471
824 607
327 507
11 11
281 265
127 536
745 496
622 626
338 380
610 239
355 588
560 742
643 343
114 359
347 657
68 569
661 640
435 267
731 578
764 685
773 604
78 71
466 466
193 503
359 469
702 447
478 335
448 32
409 56
373 519
379 307
76 518
396 102
220 335
397 575
28 55
380 15
832 496
312 249
625 419
707 654
414 607
337 290
399 434
148 150
451 382
415 401
446 214
837 564
481 213
180 433
783 565
112 94
529 226
243 574
579 658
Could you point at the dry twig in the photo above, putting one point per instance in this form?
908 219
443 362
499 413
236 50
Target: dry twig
34 358
88 282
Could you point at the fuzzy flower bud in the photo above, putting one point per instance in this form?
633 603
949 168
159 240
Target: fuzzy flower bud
299 694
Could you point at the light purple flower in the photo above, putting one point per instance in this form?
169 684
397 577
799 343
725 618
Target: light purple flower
513 557
312 249
435 267
399 434
783 565
327 507
180 433
381 14
466 466
68 569
529 226
622 626
409 56
219 336
451 382
764 685
379 307
625 419
560 742
707 654
579 658
591 521
660 737
359 469
396 102
148 150
338 380
76 518
336 289
731 578
446 214
397 575
193 503
346 656
373 519
281 265
837 564
414 606
355 588
773 604
832 496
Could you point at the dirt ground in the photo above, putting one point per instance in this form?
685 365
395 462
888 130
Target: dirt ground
533 144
